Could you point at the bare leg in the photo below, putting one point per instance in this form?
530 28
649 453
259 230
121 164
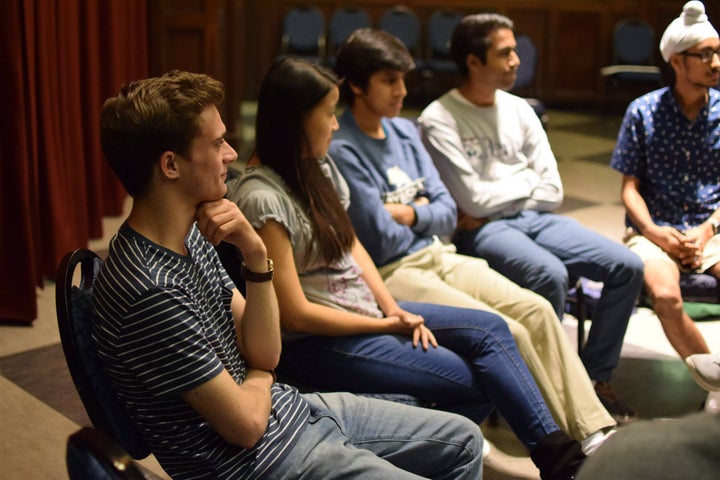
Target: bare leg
662 280
714 270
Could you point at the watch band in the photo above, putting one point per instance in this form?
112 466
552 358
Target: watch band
257 277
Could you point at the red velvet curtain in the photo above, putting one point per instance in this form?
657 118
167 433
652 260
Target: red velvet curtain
60 59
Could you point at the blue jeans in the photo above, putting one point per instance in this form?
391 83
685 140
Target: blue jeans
350 437
476 368
539 251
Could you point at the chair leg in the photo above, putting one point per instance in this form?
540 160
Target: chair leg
581 316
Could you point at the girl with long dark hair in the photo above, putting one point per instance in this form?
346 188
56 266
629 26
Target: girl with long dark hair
343 329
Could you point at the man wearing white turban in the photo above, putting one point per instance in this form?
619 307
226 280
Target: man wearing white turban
686 31
668 151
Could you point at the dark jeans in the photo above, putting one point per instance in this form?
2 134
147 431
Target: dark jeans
476 368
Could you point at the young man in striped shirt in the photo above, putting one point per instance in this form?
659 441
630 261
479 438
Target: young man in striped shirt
191 359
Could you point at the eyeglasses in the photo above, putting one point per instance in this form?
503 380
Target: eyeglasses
706 56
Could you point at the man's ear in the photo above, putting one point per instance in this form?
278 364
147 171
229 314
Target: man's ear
357 91
472 62
169 165
676 62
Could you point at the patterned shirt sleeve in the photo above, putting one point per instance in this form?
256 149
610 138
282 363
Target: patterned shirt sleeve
629 157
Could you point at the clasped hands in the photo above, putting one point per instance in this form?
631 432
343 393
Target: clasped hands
686 248
410 322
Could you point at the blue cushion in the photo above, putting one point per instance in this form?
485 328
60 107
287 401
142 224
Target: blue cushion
699 287
591 291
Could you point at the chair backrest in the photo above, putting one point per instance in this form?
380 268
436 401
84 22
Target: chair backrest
303 31
92 455
527 53
343 22
633 42
440 27
74 311
404 24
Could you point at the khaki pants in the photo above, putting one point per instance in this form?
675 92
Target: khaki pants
436 274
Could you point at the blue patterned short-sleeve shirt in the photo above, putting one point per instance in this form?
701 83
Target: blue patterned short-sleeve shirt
676 161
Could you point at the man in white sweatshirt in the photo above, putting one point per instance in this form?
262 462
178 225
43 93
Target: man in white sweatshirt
494 156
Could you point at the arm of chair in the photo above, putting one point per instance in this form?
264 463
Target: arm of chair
615 69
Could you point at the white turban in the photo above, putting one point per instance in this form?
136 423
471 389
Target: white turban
689 29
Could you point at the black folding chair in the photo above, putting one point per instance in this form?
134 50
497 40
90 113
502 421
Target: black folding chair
74 311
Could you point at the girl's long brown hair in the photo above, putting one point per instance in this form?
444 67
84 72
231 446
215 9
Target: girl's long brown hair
290 90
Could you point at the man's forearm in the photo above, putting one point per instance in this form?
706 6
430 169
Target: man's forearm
260 327
401 213
636 207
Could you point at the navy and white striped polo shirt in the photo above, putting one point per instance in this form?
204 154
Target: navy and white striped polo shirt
163 326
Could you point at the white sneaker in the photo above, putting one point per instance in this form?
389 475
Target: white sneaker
712 403
594 441
705 369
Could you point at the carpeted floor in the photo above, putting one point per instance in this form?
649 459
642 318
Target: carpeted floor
43 373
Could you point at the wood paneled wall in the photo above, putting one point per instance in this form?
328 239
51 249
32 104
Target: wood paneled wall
237 40
206 36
